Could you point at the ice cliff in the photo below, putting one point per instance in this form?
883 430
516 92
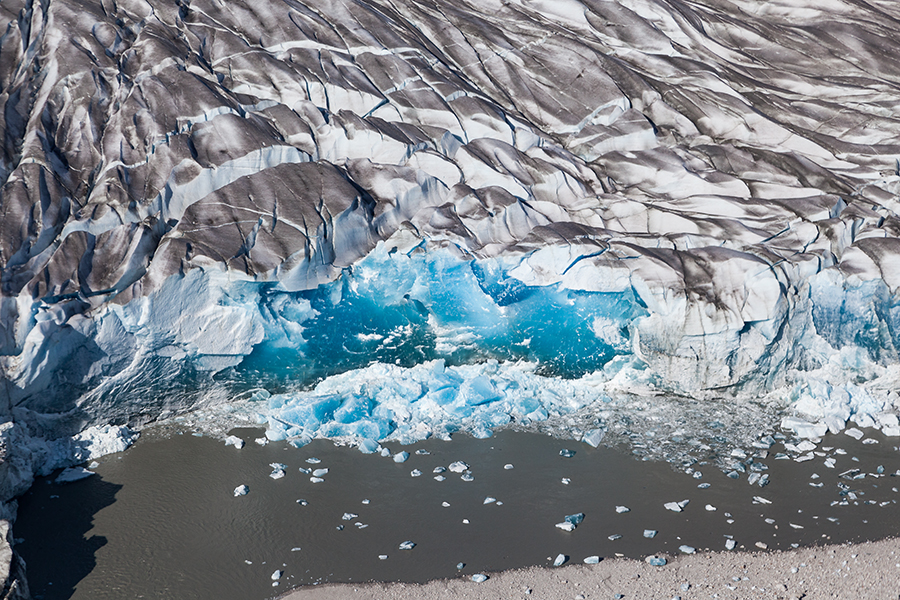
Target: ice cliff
204 200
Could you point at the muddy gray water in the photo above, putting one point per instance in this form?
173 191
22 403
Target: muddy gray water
161 520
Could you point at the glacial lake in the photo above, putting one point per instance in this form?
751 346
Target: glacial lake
161 520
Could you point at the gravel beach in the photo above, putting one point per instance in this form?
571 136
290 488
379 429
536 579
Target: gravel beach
868 570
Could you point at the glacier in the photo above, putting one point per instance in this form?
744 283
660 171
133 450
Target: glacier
373 221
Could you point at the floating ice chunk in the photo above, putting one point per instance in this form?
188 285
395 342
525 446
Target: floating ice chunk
622 509
891 431
302 502
761 545
445 504
805 446
304 471
241 490
508 466
262 441
465 521
467 476
795 526
710 508
382 557
650 533
349 516
697 475
365 501
566 453
277 575
560 560
656 561
422 452
401 457
676 506
458 467
368 446
360 525
320 472
614 537
869 441
385 452
276 474
460 566
73 474
439 470
805 457
575 519
830 462
479 577
296 549
738 453
233 440
593 437
566 526
415 473
313 460
489 500
591 560
407 545
753 478
761 500
687 549
565 481
316 479
439 478
729 544
853 432
703 486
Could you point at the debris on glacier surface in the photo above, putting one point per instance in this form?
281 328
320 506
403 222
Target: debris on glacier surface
656 561
71 474
243 490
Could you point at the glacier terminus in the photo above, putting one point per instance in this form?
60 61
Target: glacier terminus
388 221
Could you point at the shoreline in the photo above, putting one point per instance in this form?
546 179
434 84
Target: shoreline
869 569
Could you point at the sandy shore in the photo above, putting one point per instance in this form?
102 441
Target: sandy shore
859 571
